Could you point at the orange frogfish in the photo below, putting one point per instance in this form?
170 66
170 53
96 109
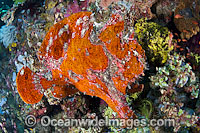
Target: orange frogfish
98 63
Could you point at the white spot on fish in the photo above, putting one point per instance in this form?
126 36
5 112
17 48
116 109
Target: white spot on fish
66 26
22 72
85 18
129 53
135 53
55 37
86 52
73 34
78 22
61 32
83 31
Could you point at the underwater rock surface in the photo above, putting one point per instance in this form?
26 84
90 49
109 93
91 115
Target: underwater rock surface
134 60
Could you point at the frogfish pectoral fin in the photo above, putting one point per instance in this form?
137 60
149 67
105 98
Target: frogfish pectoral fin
28 87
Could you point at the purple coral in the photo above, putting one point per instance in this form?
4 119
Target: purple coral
76 6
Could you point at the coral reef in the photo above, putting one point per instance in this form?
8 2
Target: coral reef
130 10
8 17
16 2
155 39
80 59
104 3
173 80
165 9
56 11
70 106
75 7
191 50
187 12
142 9
7 35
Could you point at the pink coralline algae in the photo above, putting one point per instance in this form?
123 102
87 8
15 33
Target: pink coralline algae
74 7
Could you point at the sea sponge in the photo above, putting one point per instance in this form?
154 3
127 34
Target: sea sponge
155 39
7 35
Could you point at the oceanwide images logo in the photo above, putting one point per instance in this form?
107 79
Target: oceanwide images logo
45 121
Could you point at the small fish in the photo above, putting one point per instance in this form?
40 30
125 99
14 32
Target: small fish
171 35
199 42
181 49
195 22
176 34
179 40
185 31
184 40
178 16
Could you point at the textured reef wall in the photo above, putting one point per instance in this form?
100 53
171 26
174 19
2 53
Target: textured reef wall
122 60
